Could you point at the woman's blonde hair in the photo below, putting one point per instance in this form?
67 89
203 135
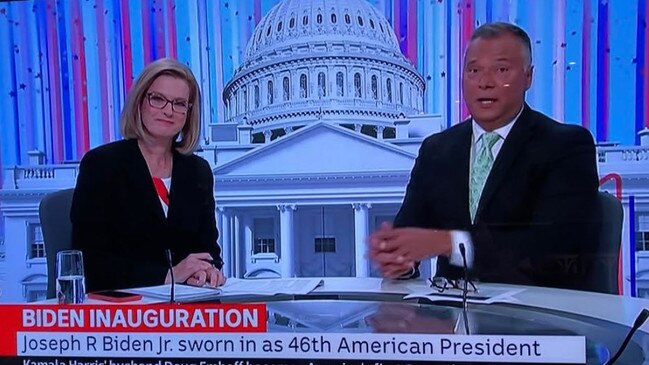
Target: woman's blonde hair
130 120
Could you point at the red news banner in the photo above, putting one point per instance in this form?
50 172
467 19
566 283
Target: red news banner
21 321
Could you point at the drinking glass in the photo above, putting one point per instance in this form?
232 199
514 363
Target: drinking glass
70 281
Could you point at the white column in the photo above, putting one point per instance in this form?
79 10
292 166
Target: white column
226 241
379 132
236 247
287 267
247 239
16 252
626 256
312 80
361 231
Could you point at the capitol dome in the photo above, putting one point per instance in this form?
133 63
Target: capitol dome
294 22
311 60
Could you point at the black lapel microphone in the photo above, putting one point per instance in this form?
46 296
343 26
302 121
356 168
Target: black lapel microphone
639 320
465 290
172 295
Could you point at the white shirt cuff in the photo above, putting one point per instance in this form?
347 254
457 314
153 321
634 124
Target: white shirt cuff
409 274
458 237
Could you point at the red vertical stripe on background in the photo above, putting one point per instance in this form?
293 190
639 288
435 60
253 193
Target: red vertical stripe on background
171 26
54 71
80 82
466 28
585 67
103 78
127 55
159 26
146 32
412 31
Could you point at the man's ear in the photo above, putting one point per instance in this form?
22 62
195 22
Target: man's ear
529 72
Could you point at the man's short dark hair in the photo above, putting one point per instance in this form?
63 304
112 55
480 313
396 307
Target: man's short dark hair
497 29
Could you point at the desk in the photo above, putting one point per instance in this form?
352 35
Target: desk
365 305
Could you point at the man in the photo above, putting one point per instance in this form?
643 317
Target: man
514 187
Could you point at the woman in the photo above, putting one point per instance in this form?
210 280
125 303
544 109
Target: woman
140 196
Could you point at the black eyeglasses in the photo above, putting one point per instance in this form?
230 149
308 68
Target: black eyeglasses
160 102
442 284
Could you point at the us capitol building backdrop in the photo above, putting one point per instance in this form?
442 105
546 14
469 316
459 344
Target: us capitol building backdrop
323 121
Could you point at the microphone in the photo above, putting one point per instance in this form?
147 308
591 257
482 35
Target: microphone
172 295
639 320
465 290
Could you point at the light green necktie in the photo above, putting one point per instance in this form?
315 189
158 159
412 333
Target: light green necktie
482 164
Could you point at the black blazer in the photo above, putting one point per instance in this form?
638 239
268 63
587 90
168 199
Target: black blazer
536 207
119 224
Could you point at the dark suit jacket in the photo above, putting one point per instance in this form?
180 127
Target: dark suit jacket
536 207
119 224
